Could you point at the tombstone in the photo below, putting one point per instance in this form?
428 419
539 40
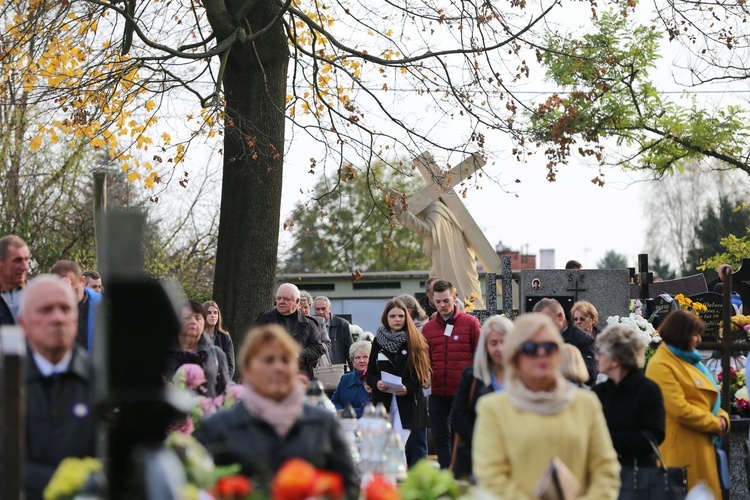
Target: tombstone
661 306
688 285
607 289
12 412
491 296
713 314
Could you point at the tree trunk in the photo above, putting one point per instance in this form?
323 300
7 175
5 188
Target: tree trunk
246 258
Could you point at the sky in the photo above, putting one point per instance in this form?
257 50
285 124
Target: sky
576 218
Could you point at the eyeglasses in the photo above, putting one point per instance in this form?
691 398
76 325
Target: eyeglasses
532 348
580 319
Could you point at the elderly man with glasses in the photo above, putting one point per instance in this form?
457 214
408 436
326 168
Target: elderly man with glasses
302 328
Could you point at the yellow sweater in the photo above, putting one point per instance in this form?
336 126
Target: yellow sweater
512 448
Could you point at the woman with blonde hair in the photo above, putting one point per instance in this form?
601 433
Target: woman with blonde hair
585 316
272 423
218 335
399 349
573 367
487 375
540 416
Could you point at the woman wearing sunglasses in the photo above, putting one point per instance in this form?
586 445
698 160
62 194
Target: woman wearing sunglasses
541 416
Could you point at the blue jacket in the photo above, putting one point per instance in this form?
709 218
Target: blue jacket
351 390
94 299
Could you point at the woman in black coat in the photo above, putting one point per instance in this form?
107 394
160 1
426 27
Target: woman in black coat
194 346
272 424
633 405
484 377
218 335
399 349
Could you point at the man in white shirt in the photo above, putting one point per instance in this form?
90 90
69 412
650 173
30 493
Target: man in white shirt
59 382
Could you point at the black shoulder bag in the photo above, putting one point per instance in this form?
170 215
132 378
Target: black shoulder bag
653 483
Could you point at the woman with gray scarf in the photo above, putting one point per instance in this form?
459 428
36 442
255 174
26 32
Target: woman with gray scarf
399 349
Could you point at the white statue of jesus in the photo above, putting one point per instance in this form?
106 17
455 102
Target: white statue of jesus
445 244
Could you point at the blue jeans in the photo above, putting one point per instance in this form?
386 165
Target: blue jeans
416 446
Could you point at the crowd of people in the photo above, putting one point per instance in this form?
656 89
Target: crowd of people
504 400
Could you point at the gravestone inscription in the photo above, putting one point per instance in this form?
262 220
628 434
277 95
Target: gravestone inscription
712 316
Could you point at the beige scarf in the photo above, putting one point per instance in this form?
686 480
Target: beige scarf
281 415
548 403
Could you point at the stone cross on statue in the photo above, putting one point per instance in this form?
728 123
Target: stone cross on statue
452 238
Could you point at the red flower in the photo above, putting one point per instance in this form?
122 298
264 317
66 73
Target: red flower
380 488
328 485
232 487
294 480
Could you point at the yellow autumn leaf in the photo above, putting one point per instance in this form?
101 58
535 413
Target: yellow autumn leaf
150 105
133 176
36 143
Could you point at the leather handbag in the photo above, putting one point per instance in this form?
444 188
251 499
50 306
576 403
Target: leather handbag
722 463
653 483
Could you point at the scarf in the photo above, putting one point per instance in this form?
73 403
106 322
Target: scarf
546 403
280 415
389 341
694 358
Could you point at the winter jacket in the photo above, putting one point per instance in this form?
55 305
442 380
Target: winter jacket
94 298
351 390
450 354
224 342
210 357
60 420
633 408
689 398
306 334
234 436
587 345
341 340
412 407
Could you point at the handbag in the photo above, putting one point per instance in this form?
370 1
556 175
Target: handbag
461 452
653 483
722 464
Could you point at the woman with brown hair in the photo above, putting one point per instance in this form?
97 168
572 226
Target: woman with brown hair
272 424
214 328
399 349
691 400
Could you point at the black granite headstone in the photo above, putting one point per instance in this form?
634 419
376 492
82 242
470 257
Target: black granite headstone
712 316
661 306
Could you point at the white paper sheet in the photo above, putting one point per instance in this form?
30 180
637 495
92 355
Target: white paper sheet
393 382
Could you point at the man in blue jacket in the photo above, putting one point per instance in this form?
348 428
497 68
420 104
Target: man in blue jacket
87 300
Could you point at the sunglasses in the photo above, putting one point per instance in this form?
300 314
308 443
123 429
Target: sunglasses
532 348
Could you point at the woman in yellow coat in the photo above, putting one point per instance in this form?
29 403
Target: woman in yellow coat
691 400
541 416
